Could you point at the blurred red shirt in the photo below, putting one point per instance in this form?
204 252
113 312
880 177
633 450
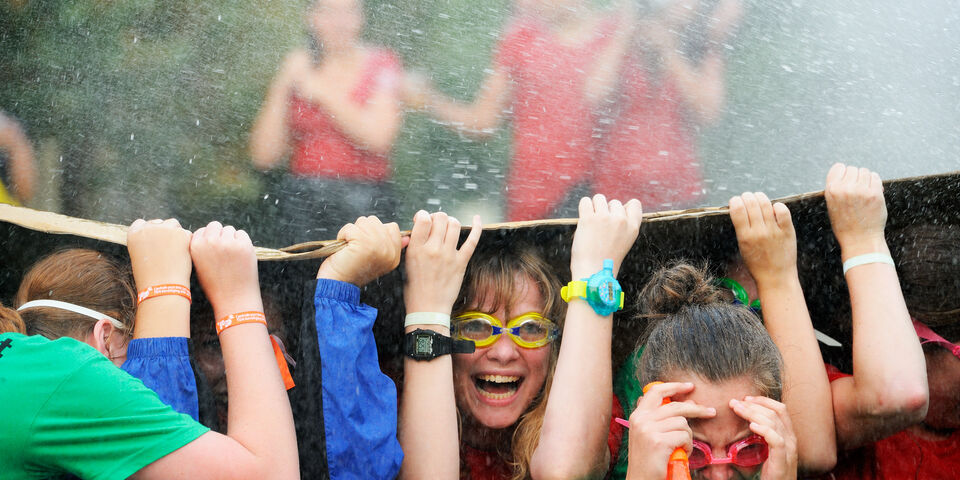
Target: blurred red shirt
320 149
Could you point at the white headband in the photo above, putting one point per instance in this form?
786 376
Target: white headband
72 308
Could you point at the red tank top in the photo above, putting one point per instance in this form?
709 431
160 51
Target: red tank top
901 455
320 149
649 153
552 123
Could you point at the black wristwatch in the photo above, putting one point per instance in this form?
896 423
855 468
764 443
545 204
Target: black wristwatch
423 344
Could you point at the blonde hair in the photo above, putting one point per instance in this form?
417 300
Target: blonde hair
82 277
499 269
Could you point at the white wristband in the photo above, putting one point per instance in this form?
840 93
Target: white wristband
865 259
427 318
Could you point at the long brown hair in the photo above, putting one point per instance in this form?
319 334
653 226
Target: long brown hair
83 277
692 328
499 268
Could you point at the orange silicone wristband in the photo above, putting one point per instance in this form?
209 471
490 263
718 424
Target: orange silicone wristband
235 319
165 289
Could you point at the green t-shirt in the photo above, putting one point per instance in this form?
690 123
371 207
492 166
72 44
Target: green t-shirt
68 410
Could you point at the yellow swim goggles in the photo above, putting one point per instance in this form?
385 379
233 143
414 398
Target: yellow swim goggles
530 330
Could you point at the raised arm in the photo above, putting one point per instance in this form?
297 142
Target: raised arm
359 401
428 412
887 392
478 119
701 85
607 67
270 135
573 439
260 442
159 256
768 244
23 171
158 354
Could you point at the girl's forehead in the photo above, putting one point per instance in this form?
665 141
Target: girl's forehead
726 427
514 296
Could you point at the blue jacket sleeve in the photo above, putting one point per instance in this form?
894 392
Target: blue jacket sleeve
163 365
359 401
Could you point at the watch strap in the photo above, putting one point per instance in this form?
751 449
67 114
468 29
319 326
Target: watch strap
464 346
574 289
440 344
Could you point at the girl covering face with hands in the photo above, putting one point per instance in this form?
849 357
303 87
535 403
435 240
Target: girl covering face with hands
723 375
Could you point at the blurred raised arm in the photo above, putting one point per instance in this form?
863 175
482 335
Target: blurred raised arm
478 119
270 135
23 171
702 85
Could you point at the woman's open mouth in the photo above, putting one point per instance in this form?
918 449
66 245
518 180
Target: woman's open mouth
497 387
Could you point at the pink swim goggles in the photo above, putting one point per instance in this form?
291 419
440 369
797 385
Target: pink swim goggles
929 336
749 452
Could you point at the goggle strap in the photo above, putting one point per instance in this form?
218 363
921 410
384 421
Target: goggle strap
929 336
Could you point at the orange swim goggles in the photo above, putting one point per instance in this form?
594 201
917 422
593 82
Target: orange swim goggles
530 330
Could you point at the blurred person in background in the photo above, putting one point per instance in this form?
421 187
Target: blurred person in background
664 80
17 170
538 76
335 108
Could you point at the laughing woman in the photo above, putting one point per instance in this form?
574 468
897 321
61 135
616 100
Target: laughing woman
509 402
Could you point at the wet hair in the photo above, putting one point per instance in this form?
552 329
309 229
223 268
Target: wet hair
692 329
83 277
498 268
928 264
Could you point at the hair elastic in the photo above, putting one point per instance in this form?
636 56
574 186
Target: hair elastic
427 318
72 308
165 289
866 259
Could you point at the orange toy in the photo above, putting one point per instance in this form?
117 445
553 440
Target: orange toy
678 467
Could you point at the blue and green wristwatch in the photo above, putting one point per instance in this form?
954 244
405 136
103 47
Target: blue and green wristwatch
601 291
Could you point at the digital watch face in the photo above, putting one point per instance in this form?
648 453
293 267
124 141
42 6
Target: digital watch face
424 345
605 292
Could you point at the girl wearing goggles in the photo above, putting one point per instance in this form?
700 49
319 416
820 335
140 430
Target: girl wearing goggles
525 407
723 375
530 330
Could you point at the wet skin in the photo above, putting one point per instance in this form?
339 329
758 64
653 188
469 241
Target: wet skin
495 385
723 430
